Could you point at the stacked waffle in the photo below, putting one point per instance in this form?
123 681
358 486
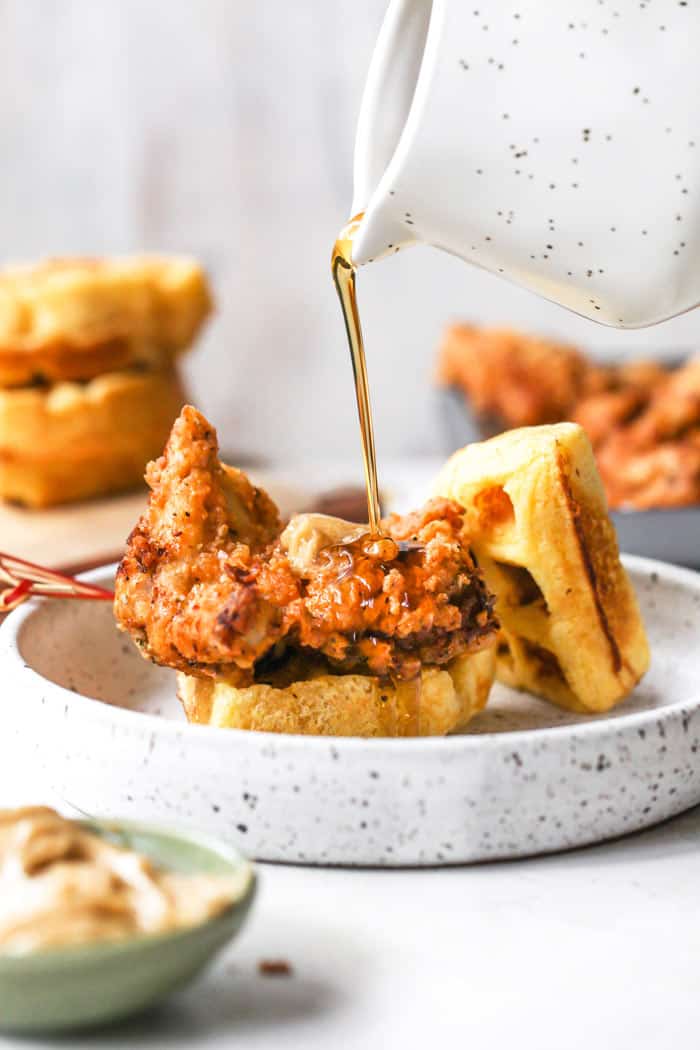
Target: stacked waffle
89 385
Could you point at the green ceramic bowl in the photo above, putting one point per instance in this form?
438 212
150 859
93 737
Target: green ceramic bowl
91 985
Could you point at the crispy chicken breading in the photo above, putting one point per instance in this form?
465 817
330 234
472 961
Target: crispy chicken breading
210 584
653 459
509 376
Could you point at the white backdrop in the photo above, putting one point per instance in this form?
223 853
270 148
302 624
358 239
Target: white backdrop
225 129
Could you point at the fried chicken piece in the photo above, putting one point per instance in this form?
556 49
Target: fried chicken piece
673 408
210 585
518 380
665 476
654 461
641 374
600 414
629 390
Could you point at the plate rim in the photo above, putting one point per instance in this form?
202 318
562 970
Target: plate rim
140 722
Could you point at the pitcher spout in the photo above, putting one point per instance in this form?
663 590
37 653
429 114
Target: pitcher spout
380 234
389 114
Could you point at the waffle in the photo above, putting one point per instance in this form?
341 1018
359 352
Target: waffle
75 440
347 705
570 626
73 319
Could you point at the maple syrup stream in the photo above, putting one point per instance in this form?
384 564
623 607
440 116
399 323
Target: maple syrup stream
407 708
344 272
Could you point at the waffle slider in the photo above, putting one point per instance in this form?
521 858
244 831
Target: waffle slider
315 628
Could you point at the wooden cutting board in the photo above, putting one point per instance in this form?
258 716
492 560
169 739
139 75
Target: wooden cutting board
82 535
75 536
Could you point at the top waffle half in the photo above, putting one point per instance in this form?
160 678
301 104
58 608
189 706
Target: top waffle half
571 631
73 319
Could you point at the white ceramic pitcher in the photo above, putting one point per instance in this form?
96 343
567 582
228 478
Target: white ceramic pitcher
555 142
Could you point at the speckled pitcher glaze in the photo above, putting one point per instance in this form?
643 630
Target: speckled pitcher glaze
556 144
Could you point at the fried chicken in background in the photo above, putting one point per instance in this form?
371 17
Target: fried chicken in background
520 380
643 419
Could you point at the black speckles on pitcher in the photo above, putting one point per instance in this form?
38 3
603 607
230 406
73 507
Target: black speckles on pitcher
610 151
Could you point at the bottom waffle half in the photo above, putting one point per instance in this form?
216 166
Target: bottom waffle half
442 701
72 441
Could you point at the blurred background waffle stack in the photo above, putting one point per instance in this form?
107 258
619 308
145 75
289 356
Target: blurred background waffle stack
89 382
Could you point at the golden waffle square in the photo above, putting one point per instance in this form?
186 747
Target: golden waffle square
571 631
75 318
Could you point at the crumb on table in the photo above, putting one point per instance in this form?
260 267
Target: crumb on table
274 968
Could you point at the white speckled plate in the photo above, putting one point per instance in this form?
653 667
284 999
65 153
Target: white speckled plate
105 729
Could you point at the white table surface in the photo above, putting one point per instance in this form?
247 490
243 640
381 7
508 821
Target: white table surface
595 948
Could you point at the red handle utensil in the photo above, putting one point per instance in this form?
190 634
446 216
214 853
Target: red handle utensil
26 580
